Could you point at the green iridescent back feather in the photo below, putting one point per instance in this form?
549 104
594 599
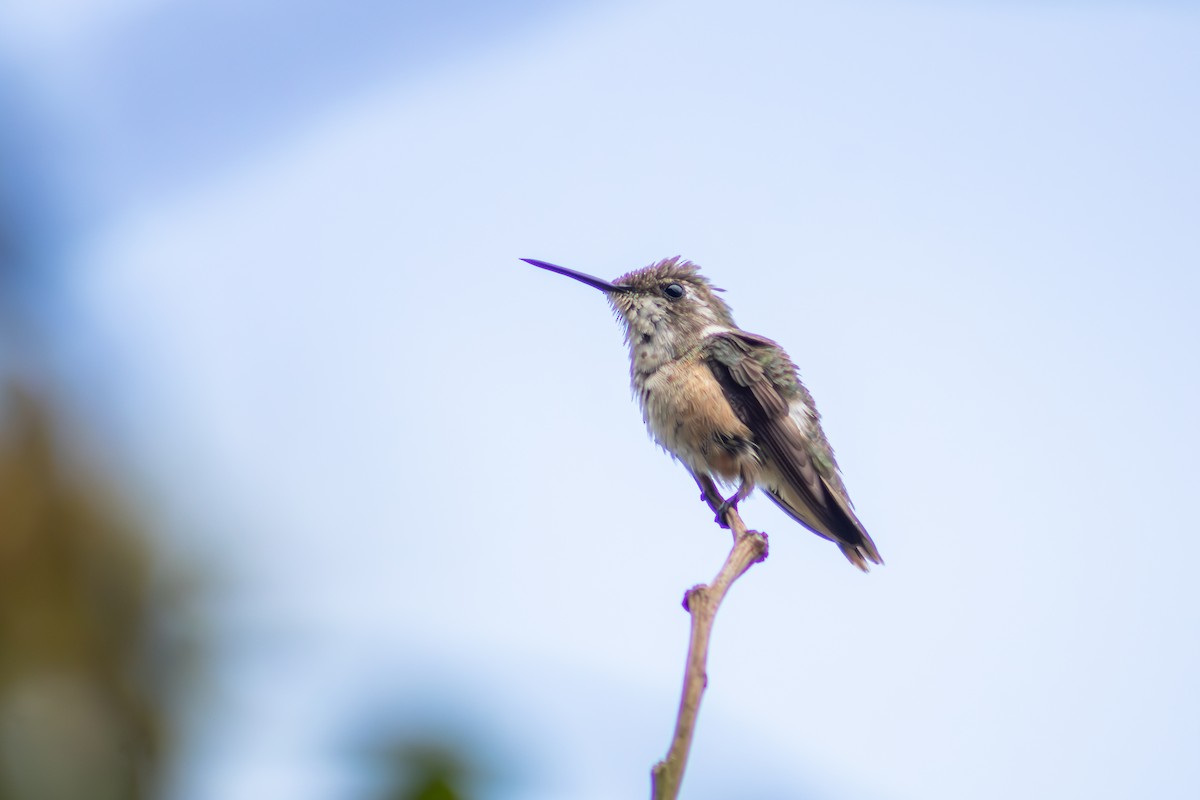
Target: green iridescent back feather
784 377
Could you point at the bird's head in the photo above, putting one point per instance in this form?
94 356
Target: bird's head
668 303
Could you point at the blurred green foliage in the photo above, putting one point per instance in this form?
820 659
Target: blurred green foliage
79 717
97 642
423 769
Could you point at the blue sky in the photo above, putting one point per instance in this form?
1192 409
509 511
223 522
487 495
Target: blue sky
296 306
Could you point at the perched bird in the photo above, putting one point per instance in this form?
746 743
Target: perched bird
727 403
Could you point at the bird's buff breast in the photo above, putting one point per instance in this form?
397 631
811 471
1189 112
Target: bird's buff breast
688 415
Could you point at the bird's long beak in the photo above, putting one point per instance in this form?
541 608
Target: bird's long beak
597 283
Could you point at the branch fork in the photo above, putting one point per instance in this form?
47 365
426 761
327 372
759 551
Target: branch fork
702 602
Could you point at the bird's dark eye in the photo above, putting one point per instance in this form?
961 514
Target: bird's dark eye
673 291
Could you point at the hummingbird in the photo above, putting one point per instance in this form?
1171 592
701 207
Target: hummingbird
727 403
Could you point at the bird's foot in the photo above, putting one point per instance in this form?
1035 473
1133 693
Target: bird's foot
723 510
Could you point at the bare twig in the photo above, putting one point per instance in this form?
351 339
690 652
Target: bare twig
702 602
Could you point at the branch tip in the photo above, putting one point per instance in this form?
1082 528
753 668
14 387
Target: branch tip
696 591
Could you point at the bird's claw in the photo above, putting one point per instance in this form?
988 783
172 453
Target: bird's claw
722 510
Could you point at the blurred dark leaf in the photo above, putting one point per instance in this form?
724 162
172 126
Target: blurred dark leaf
81 712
